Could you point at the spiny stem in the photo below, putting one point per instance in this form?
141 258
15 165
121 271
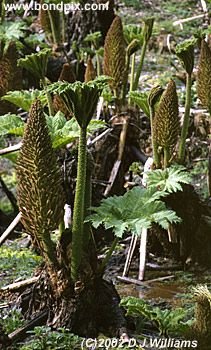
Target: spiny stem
78 213
184 133
167 156
155 155
98 64
126 77
140 66
132 73
49 99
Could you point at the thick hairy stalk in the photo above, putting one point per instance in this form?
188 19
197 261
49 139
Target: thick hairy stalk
132 74
88 201
147 32
184 133
130 51
49 99
78 214
140 66
185 52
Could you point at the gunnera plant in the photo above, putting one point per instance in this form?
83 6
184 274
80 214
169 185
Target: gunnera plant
166 124
204 91
114 56
201 329
185 52
153 99
90 73
67 74
204 74
40 192
10 74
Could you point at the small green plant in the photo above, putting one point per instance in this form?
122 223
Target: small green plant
46 339
11 320
11 32
166 321
17 262
61 131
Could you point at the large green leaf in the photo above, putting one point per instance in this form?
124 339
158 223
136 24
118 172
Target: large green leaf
166 320
135 210
36 63
25 98
80 98
168 180
141 100
11 124
63 132
11 32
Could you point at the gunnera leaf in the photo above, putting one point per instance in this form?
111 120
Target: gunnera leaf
36 63
185 52
40 192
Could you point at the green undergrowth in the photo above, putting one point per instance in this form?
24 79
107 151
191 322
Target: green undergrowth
16 263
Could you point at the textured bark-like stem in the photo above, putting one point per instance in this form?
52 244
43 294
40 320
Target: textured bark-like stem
167 156
127 65
155 155
132 73
140 66
49 99
78 213
185 126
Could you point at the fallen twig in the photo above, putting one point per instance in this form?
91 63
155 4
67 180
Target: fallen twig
9 229
181 21
10 149
20 333
129 255
141 283
17 285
